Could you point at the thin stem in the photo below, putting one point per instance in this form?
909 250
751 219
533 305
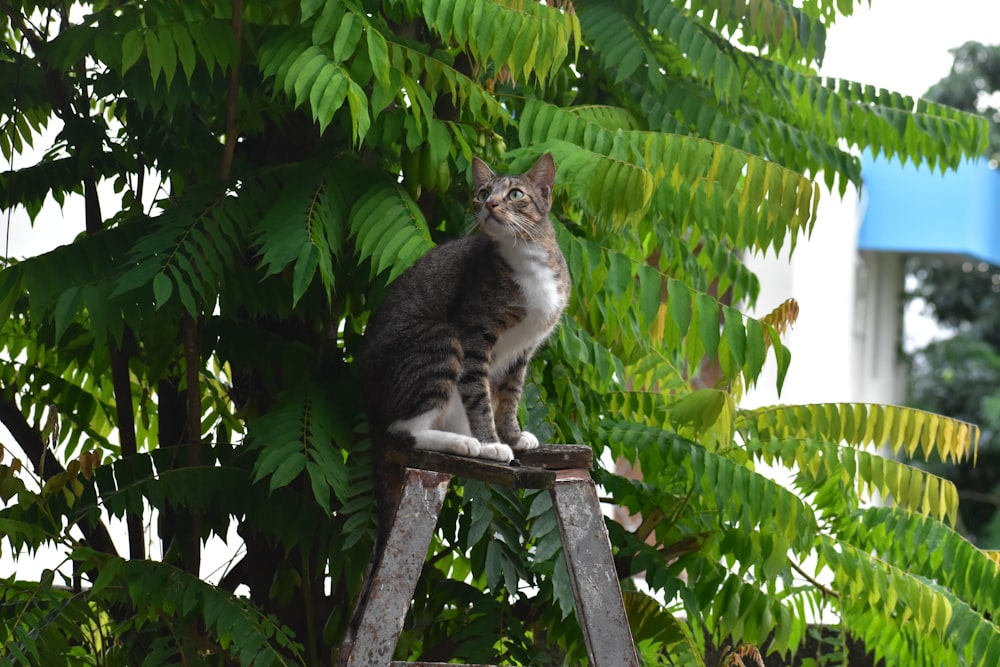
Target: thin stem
811 580
122 383
232 95
192 358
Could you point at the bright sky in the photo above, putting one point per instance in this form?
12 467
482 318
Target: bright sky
903 45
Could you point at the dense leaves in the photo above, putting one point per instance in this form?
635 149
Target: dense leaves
184 367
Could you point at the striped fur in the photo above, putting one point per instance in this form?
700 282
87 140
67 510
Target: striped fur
446 353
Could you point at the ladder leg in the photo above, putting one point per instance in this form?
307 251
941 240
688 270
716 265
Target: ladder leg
598 594
378 620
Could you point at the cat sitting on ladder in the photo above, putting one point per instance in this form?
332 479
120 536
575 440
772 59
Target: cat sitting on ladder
445 355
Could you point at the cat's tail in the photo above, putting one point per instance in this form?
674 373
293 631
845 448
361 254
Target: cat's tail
388 480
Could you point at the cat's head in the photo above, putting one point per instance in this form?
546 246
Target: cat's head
515 206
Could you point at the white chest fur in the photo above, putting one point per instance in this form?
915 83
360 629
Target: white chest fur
544 301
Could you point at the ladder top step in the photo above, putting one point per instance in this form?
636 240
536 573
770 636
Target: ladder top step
397 663
533 468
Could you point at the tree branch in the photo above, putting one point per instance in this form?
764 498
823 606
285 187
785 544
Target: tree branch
232 95
979 497
811 580
17 21
192 360
649 523
122 384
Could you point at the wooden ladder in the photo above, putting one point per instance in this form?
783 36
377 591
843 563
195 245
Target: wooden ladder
562 469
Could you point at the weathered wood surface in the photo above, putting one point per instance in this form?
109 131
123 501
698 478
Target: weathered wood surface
398 663
557 457
592 574
533 468
564 471
379 618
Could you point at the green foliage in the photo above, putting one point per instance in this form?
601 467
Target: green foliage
186 363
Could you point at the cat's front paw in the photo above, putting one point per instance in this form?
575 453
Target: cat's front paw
526 441
466 446
496 451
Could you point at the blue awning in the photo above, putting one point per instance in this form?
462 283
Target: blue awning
914 210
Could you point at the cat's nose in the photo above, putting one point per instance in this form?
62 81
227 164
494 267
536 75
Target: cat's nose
491 205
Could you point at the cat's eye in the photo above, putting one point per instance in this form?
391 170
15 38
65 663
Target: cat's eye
515 194
483 194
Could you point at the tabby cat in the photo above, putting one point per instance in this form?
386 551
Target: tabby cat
445 355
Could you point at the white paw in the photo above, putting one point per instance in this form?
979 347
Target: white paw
526 441
496 451
467 446
448 443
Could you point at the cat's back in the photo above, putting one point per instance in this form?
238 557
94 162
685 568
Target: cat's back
436 283
421 316
448 261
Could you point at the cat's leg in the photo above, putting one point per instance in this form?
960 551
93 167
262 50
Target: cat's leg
508 394
447 430
425 436
453 417
474 390
455 420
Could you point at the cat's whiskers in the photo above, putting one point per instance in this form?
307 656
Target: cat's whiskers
525 226
517 227
471 223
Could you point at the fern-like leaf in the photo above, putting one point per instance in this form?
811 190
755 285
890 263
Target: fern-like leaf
707 53
774 26
302 433
743 496
922 545
518 48
650 622
901 429
739 196
871 477
191 247
304 228
611 29
307 73
465 92
233 622
388 229
888 606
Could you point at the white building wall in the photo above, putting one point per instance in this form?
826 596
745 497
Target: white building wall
845 343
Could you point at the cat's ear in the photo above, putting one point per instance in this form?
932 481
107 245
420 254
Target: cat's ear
543 174
481 173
